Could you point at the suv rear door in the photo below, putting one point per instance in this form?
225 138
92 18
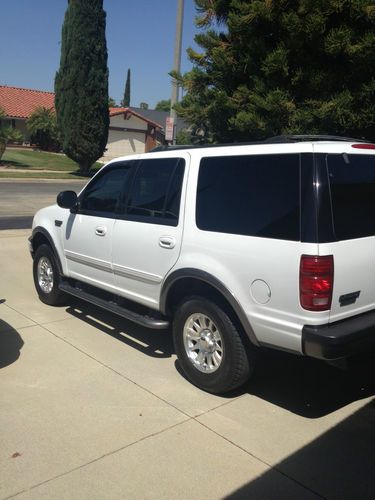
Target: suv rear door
147 234
351 182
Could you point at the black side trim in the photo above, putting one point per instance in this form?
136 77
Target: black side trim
45 233
214 282
340 339
143 320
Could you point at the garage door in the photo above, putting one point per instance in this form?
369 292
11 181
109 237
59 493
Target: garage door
124 143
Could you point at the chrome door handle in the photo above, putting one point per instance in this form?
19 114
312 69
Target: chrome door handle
167 242
100 231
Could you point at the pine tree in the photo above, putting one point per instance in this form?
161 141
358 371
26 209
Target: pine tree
126 101
267 68
163 105
81 84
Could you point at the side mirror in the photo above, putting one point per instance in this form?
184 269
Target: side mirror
67 199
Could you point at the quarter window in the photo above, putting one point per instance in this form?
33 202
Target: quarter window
352 185
255 195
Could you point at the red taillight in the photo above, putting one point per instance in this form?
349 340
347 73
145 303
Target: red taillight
316 282
363 146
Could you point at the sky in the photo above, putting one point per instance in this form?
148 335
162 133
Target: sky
140 36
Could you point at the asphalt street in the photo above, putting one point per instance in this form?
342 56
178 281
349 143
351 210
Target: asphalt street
20 199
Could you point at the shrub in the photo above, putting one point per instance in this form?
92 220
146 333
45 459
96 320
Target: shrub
7 134
42 127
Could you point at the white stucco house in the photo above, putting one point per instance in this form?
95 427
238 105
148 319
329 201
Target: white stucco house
129 131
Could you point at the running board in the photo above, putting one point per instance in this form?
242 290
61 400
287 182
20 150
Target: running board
147 321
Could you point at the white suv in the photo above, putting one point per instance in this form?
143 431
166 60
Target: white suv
237 247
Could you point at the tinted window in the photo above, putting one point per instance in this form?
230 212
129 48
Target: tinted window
156 191
103 193
250 195
352 182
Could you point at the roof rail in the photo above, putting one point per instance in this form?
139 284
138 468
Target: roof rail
311 137
278 139
166 147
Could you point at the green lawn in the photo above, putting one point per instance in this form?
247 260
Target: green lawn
32 161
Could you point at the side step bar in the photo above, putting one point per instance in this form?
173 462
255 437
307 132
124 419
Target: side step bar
147 321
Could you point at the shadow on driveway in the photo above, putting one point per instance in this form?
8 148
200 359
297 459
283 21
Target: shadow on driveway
154 343
10 344
340 464
301 385
309 387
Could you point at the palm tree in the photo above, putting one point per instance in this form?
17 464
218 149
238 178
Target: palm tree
42 127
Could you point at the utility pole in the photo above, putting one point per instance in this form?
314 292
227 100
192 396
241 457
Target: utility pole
177 64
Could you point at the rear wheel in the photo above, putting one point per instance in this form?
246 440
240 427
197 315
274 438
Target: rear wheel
46 276
209 346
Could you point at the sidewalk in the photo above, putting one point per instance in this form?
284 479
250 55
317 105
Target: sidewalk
93 407
11 170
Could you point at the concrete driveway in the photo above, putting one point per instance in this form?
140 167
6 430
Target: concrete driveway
94 407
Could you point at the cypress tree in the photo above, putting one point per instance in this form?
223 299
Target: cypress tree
126 100
267 68
81 83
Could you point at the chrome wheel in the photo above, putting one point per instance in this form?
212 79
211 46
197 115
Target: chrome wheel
203 343
45 275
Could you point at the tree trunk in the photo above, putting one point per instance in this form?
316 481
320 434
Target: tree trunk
84 168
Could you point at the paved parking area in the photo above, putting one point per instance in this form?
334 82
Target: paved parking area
94 407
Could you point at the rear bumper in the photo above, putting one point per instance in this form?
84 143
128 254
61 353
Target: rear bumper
341 339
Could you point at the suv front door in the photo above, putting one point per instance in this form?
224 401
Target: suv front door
147 235
88 236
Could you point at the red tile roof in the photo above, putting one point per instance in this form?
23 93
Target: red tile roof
21 103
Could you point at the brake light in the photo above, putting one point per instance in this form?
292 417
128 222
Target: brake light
316 282
363 146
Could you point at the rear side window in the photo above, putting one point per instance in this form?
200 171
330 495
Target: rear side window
156 191
255 195
352 184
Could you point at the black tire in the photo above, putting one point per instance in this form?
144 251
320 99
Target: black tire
54 296
236 362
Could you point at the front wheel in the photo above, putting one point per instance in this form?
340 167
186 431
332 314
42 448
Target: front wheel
209 346
46 276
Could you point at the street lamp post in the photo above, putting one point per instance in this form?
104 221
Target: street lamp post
177 64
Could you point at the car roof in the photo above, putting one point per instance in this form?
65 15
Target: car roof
280 139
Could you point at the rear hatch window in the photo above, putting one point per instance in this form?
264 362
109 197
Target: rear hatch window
352 185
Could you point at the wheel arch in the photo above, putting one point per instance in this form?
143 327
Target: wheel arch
41 236
190 281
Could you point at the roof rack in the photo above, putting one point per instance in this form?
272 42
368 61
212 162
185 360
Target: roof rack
166 147
278 139
311 137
